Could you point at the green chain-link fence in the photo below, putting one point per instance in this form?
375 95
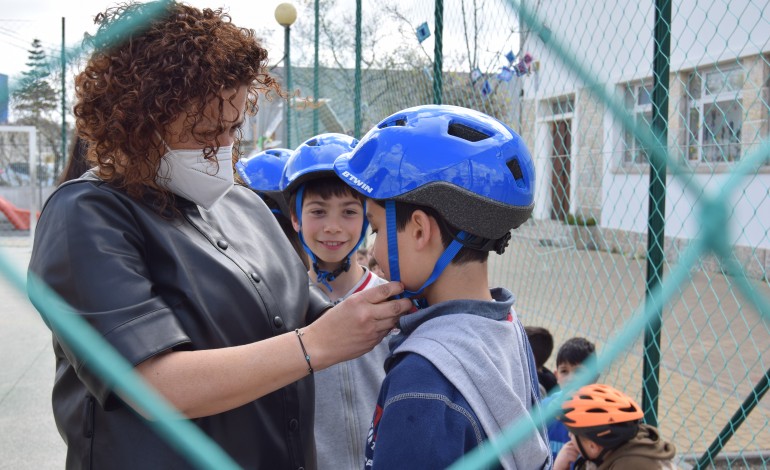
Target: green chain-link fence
605 230
658 253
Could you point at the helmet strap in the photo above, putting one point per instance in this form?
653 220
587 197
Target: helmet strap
581 448
325 277
395 274
599 458
498 245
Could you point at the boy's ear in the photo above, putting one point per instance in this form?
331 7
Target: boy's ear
592 447
422 229
295 222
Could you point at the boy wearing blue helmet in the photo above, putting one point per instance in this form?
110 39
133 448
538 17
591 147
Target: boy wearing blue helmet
329 219
444 186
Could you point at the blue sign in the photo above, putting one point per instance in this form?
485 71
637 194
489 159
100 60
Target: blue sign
423 32
3 99
510 56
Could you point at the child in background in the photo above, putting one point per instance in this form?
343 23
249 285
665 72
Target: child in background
362 256
569 360
374 267
542 345
329 219
607 433
445 186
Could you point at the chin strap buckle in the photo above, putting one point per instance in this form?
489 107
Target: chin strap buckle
502 243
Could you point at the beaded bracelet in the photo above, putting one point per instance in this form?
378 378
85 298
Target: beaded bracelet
304 351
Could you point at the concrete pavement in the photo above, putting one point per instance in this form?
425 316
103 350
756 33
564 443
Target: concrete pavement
714 347
28 436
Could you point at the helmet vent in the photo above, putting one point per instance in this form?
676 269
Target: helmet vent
312 143
394 122
515 168
596 410
464 132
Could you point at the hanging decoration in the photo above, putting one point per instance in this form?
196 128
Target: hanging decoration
423 32
524 66
505 75
475 74
486 89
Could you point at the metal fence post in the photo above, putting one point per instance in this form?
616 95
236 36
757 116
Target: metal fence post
357 99
657 207
315 71
438 54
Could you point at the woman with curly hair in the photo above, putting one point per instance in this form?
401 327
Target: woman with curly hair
185 274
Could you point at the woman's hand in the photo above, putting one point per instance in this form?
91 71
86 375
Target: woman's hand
354 326
207 382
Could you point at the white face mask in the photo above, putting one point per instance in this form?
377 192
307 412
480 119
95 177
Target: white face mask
188 174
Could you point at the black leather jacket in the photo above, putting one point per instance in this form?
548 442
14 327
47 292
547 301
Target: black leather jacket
147 283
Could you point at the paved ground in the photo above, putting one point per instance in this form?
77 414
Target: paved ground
715 346
29 439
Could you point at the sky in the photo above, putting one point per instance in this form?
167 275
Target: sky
21 21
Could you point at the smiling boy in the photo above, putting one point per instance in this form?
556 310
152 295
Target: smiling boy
329 219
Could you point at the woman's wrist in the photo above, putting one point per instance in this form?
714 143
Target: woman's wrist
315 348
300 334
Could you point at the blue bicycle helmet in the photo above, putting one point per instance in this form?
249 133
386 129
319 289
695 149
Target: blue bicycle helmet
475 171
314 159
262 172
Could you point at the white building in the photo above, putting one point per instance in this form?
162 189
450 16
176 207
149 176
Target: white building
718 113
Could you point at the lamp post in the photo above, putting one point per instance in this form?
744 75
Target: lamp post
285 15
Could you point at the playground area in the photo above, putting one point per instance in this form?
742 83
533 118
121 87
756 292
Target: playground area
648 130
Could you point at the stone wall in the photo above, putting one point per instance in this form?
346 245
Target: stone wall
587 155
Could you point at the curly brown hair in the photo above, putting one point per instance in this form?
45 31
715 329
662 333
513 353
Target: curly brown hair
151 63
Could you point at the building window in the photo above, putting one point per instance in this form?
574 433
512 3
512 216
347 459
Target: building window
715 115
638 99
565 105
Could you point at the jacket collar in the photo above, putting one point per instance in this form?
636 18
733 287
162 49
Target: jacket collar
498 309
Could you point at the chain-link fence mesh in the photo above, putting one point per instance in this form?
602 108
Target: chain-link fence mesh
577 81
581 264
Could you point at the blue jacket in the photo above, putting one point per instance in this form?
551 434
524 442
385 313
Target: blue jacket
460 372
557 432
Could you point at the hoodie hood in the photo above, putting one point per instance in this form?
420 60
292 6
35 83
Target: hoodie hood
480 347
639 453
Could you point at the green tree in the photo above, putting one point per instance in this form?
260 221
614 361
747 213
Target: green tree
35 101
35 98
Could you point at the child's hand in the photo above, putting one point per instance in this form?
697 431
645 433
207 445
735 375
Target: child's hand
568 454
354 326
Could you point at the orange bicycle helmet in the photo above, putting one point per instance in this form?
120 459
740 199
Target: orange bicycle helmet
602 414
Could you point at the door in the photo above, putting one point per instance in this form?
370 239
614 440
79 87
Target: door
561 137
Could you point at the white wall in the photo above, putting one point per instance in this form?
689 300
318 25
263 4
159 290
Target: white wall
626 201
613 40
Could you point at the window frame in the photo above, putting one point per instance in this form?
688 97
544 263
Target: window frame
698 103
633 153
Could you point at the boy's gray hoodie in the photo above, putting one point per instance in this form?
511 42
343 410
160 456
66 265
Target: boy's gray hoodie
487 360
345 396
